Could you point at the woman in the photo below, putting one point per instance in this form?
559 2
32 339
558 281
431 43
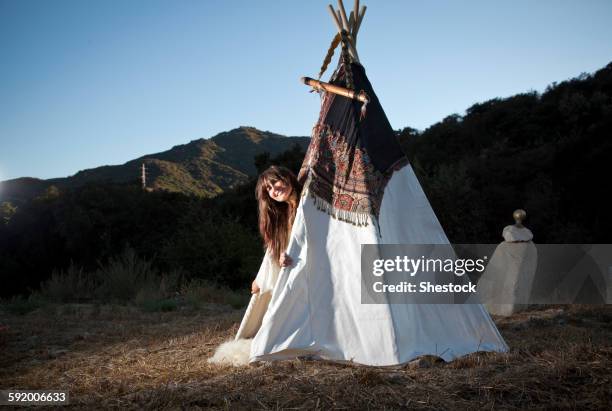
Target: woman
278 194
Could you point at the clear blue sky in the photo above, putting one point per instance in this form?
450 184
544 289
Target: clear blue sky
85 83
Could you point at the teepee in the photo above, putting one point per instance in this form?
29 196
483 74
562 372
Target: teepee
358 188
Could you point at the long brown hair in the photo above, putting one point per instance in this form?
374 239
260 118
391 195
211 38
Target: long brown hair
276 218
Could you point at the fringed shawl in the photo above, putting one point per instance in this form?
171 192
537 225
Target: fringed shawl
350 159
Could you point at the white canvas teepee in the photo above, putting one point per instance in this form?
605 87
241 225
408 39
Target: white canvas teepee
358 189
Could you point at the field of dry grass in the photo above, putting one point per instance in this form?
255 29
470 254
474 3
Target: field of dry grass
122 357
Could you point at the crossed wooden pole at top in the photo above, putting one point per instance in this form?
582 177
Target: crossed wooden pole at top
350 25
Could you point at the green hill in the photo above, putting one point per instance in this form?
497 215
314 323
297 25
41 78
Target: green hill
202 167
547 153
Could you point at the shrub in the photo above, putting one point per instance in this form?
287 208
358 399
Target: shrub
20 306
123 276
157 295
70 285
198 292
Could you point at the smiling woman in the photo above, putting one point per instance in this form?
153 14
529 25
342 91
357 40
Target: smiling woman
277 193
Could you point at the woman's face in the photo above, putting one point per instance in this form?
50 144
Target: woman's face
279 191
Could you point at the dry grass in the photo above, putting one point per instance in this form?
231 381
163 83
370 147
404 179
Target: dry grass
119 357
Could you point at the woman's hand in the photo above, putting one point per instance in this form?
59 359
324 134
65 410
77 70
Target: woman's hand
254 288
285 260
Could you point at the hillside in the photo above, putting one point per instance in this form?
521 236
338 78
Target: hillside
547 153
202 167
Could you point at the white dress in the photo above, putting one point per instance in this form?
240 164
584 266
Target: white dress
267 274
265 279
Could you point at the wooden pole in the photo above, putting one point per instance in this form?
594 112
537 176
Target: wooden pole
342 91
334 17
351 47
360 20
343 15
356 19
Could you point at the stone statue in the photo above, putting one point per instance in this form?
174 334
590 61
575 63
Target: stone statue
505 286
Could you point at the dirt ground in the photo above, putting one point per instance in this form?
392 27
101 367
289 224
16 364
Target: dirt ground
121 357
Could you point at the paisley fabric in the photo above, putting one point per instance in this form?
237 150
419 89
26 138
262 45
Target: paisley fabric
342 179
351 158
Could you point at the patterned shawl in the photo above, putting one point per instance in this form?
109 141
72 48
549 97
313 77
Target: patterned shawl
350 160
